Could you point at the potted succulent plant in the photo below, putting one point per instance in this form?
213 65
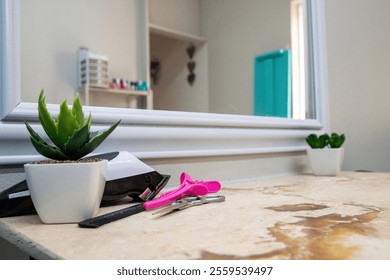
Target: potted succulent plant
66 188
325 153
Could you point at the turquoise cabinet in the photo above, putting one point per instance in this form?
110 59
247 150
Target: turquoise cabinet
272 84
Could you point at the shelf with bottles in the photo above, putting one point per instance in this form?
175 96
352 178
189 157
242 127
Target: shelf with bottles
133 100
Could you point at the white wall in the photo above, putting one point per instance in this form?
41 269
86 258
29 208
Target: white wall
180 15
53 30
358 38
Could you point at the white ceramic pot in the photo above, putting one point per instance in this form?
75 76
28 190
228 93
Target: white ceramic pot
66 192
326 162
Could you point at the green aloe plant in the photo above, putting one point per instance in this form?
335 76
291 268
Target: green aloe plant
70 134
319 142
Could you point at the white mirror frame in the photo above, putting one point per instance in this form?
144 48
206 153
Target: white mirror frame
151 134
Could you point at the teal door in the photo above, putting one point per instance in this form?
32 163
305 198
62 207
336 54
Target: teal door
272 88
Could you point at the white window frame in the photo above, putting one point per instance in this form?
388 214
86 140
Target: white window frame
298 58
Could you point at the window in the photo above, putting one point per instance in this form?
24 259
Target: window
299 54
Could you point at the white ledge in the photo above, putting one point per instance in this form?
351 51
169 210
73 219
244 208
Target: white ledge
26 111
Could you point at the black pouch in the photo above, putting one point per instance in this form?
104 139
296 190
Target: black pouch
16 200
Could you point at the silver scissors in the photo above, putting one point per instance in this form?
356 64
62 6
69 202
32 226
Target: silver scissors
189 201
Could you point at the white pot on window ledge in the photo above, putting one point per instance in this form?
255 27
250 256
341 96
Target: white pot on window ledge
326 162
66 192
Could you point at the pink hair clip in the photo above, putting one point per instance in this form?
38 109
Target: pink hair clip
188 187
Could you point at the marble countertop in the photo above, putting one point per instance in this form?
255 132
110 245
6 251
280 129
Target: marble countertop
296 217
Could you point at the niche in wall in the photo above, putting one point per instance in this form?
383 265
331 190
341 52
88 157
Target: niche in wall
172 90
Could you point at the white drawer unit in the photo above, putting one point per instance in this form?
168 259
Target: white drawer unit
93 69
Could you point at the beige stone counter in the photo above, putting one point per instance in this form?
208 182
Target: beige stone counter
298 217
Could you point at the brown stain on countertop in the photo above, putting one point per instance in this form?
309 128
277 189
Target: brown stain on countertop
324 236
297 207
321 239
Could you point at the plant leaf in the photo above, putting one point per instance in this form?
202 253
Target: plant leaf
323 140
77 111
89 121
336 141
316 142
47 122
95 139
66 125
79 138
43 148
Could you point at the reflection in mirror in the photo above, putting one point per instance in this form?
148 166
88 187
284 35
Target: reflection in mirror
52 31
232 40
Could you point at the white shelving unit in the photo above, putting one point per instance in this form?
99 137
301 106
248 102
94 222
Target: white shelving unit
132 102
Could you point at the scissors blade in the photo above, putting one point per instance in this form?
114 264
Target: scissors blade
189 201
177 205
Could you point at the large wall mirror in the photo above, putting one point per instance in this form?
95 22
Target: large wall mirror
41 41
229 38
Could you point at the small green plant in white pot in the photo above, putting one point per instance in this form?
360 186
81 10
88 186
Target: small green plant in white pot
66 188
325 153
